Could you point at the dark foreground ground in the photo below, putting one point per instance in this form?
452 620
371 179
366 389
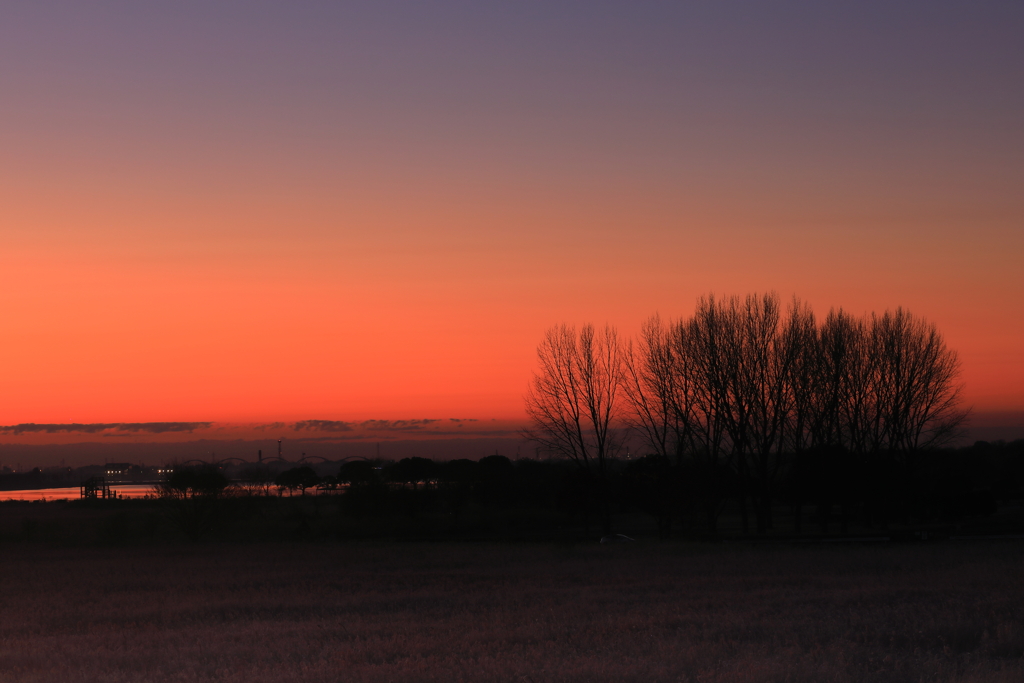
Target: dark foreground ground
642 611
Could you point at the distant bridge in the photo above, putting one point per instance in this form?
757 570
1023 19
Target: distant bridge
308 459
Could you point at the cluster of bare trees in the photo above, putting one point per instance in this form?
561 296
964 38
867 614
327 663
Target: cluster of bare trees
742 386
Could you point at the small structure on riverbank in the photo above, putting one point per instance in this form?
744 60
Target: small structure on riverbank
96 487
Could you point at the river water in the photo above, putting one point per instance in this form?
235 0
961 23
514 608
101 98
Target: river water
73 492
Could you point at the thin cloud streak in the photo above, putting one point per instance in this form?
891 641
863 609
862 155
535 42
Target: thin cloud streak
396 425
321 426
99 427
355 430
329 426
365 425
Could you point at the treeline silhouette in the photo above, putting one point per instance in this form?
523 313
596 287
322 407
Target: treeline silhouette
434 495
743 396
750 416
822 493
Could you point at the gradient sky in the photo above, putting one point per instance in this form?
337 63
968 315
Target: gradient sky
253 211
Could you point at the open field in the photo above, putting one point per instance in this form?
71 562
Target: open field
529 612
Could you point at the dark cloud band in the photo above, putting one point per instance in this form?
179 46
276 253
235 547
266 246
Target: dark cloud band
98 427
396 425
365 425
322 426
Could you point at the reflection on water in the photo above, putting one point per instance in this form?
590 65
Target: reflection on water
72 492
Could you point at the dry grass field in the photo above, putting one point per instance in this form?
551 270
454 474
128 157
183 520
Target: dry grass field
450 612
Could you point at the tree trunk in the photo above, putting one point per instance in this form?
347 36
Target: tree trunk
743 513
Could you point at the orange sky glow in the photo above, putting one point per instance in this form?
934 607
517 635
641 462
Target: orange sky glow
289 220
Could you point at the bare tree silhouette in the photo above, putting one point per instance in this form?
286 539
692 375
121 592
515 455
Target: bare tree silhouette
659 390
744 386
916 393
573 403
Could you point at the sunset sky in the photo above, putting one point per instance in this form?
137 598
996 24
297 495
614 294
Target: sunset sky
252 212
